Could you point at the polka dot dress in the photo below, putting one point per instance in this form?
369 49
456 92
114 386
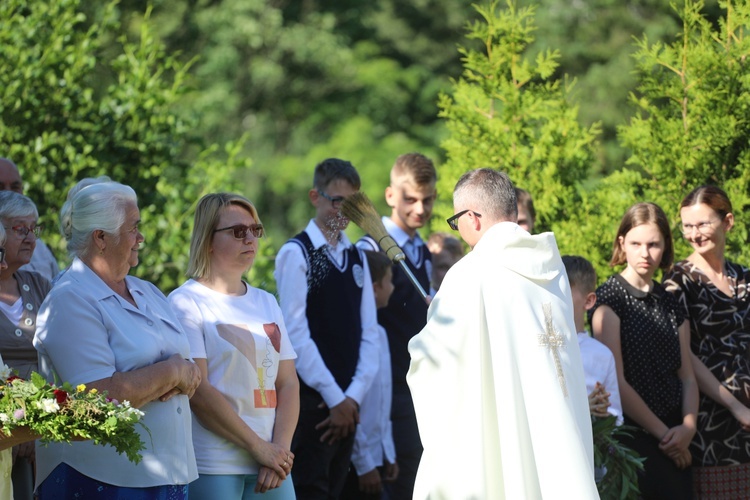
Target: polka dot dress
649 341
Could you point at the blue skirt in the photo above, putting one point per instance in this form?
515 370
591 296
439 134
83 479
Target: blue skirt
67 483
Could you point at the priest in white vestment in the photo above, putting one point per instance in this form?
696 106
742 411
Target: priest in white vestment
496 374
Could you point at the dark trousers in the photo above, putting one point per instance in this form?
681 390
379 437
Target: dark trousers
660 478
408 447
351 487
320 469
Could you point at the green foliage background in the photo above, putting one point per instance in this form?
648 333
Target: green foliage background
590 107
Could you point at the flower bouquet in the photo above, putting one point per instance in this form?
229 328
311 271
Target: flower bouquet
35 408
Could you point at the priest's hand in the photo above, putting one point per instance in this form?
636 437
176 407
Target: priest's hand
370 483
341 422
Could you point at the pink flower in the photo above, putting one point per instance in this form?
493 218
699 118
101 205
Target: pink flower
19 414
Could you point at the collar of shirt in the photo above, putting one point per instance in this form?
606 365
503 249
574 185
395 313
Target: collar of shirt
399 235
96 287
146 295
318 240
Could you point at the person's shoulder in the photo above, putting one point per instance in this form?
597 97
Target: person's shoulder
35 280
258 294
592 346
188 289
367 242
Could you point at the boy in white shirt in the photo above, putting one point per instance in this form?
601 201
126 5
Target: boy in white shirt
598 361
374 451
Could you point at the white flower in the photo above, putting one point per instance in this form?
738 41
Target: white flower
4 417
5 372
48 404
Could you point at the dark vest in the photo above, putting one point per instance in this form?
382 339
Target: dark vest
405 315
333 307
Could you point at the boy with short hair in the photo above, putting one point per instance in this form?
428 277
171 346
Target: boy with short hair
411 196
374 451
598 361
329 310
446 250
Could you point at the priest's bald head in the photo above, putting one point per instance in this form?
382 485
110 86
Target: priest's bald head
481 199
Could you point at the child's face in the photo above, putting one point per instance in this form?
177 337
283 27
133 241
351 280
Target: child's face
643 246
383 289
411 203
327 203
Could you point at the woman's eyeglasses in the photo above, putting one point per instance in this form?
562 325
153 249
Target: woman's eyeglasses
239 231
705 228
23 231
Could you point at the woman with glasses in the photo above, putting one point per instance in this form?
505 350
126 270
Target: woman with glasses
247 404
713 294
21 295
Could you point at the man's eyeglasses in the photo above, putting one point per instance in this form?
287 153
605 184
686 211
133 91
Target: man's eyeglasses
239 231
335 200
23 231
705 228
2 254
453 220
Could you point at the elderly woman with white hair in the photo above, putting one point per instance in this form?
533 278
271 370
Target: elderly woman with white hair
21 295
116 333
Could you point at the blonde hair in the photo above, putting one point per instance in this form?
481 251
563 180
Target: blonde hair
207 215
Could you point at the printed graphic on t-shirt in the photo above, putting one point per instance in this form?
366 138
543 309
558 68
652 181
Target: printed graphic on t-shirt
260 350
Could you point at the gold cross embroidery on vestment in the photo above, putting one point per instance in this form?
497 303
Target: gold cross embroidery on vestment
552 340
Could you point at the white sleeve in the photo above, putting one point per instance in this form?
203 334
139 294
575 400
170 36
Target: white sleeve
610 383
368 364
189 315
291 281
365 451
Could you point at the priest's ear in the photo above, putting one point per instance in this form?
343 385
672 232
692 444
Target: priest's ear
590 301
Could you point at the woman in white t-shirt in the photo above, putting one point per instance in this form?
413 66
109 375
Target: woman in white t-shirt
246 407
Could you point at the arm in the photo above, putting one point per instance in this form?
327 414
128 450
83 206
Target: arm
711 387
216 414
367 366
345 416
73 333
605 325
151 382
287 414
291 278
677 441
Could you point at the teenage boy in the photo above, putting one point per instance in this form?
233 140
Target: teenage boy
411 196
329 309
374 455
